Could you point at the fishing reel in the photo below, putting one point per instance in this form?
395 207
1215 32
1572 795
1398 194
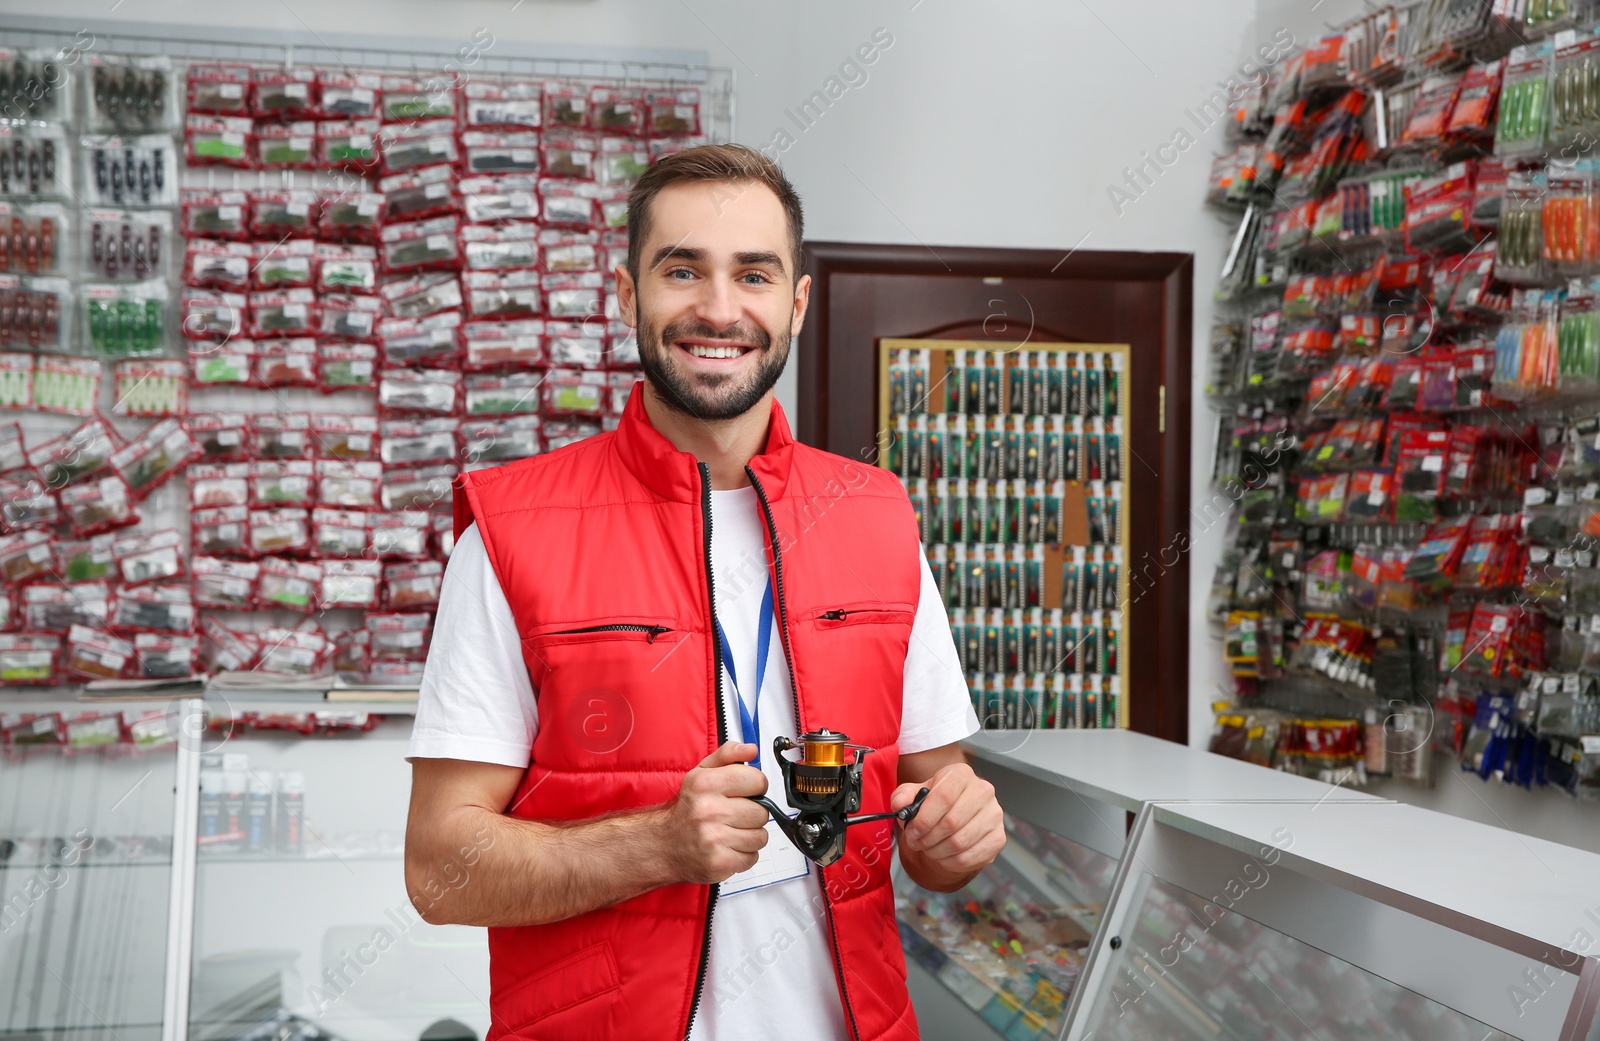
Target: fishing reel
824 790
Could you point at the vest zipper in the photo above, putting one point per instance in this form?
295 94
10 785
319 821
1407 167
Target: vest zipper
722 737
652 630
794 681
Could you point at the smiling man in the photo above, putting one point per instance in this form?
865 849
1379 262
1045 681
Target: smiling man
625 627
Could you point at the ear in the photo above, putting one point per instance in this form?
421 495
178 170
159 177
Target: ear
627 296
802 300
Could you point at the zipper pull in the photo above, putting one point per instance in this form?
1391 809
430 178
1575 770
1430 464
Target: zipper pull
653 631
834 616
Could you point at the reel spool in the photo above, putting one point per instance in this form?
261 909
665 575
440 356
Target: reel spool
824 787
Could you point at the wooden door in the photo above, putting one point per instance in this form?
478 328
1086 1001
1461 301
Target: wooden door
864 293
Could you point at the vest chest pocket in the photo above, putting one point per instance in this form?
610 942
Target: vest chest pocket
626 644
610 690
863 614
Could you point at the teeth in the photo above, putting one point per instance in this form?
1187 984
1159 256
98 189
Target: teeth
701 351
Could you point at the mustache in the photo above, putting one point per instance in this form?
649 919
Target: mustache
693 329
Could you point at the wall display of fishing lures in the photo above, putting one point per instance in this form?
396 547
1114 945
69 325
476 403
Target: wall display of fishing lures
409 244
1013 459
1406 375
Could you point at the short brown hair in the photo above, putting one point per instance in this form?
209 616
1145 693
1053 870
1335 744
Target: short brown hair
734 164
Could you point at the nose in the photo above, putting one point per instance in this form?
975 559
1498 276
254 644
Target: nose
718 306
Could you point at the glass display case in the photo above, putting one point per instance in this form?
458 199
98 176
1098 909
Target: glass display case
1011 944
86 870
161 880
1002 957
1342 920
301 917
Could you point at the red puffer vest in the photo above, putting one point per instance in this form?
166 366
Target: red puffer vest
603 550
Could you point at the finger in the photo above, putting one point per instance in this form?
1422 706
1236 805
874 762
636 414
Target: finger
968 804
737 780
943 791
728 753
904 796
742 813
973 845
745 840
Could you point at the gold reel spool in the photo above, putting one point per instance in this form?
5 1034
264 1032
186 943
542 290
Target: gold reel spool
821 767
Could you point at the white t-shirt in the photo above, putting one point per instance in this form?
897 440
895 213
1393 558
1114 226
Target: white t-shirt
769 946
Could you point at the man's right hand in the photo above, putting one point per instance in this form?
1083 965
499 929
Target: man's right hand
713 830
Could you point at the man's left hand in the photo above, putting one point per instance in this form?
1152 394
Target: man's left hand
958 831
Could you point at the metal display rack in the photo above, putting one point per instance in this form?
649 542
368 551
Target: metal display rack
1029 443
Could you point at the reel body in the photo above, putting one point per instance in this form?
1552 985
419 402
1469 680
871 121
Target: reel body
824 788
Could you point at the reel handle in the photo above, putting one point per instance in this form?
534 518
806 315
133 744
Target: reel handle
904 814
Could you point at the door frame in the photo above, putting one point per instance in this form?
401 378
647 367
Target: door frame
1158 617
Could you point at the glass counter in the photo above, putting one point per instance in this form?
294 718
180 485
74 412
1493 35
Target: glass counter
86 872
1010 945
302 921
1324 922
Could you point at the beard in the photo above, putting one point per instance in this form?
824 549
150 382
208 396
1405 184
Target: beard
710 395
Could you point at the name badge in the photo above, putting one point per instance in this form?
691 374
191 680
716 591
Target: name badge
778 861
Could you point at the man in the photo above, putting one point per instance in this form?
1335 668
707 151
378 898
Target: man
625 626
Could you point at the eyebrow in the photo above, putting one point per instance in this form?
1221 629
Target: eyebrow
749 258
666 253
758 258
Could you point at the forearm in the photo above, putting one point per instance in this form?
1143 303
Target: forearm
479 867
929 873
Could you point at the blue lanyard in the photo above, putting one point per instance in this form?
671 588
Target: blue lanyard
750 714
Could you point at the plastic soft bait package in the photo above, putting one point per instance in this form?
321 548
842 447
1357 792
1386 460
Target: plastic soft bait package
219 141
285 94
127 319
34 162
140 170
149 557
223 530
410 442
225 584
34 238
509 106
154 456
125 93
412 391
219 89
281 530
339 533
35 312
212 213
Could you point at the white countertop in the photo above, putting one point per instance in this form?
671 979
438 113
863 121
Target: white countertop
1462 874
1127 769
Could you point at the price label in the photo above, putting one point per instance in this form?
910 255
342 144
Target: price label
1433 463
230 91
